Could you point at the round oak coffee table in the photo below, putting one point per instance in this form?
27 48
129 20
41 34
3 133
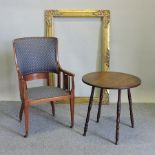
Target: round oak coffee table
110 80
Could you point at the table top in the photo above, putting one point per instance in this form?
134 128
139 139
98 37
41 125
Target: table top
111 80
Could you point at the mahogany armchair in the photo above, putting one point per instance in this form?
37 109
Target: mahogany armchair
35 58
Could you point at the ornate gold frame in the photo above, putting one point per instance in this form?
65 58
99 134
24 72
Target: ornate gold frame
105 19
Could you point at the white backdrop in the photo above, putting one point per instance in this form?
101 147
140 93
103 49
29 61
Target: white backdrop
131 41
79 47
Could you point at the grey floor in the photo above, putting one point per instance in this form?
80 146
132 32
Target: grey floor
52 136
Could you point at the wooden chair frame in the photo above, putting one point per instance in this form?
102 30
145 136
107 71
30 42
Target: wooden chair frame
65 80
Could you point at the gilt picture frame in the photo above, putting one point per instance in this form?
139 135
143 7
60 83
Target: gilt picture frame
104 15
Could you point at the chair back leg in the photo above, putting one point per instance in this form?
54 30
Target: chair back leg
26 112
53 108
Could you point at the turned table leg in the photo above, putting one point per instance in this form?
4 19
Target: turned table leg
89 109
100 104
130 108
118 116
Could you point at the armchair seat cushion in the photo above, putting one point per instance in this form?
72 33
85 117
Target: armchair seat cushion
45 92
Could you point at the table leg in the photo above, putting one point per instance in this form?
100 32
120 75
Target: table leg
118 116
100 104
89 109
130 108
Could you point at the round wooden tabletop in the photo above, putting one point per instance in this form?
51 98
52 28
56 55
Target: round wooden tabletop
111 80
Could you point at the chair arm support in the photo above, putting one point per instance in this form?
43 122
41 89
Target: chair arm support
68 80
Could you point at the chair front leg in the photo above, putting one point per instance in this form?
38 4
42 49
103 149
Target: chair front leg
72 110
21 111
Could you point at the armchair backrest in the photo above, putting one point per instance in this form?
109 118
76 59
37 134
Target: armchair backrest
36 54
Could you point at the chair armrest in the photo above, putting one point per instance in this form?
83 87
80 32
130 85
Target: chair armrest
67 72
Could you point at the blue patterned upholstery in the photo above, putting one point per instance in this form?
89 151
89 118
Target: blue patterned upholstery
45 92
36 54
